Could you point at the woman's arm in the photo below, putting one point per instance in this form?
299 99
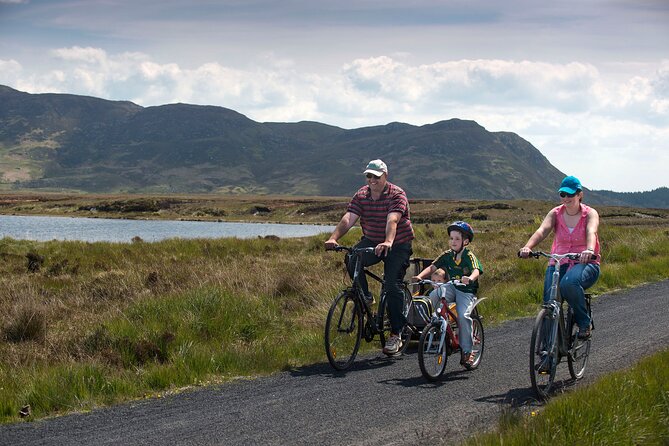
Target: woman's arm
541 233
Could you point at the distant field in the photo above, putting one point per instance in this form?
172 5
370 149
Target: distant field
485 215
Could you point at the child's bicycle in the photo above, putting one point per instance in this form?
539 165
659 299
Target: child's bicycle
554 338
351 316
439 338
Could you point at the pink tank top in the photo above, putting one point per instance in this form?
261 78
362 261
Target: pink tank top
575 241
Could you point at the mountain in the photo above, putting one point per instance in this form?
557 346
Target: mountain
77 143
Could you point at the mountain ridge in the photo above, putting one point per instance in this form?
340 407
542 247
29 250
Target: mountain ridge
55 141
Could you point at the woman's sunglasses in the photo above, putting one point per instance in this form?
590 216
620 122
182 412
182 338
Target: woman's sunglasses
565 194
371 175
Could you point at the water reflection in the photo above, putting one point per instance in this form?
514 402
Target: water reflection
114 230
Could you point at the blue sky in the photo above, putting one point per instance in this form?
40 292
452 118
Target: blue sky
587 83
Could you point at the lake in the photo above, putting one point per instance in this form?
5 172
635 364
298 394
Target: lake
117 230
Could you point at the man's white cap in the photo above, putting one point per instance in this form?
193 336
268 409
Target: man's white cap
376 167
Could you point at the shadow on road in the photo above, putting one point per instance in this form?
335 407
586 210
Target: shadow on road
525 396
324 369
420 381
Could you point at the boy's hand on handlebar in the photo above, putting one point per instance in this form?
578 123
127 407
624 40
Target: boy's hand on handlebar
465 280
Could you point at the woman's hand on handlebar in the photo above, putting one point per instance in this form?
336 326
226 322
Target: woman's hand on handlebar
586 256
524 252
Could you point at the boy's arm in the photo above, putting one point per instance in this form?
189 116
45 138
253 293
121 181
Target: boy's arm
472 277
428 270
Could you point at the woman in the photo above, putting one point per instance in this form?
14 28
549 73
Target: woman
575 226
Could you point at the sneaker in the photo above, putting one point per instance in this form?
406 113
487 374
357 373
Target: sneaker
584 333
369 299
545 364
393 345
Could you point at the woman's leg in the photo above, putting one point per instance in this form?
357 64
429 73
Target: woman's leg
572 287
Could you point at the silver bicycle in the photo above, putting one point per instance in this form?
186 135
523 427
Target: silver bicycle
554 338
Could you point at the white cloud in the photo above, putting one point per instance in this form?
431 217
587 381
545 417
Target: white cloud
585 122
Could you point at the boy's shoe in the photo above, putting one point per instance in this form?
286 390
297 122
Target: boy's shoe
393 345
467 360
584 333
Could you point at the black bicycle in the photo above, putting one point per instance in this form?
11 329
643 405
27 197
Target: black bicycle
351 316
553 338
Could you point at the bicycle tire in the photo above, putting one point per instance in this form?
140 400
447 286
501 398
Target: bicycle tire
383 320
343 330
543 360
478 342
579 350
431 359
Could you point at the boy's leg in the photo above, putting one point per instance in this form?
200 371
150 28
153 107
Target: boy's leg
463 301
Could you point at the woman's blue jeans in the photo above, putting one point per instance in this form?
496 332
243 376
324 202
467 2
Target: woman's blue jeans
573 283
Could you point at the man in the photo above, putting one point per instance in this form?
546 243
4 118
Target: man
383 210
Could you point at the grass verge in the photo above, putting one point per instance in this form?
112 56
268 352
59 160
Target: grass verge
629 407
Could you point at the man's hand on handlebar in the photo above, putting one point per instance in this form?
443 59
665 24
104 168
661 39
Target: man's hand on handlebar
331 244
382 249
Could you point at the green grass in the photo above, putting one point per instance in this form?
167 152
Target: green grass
99 323
629 407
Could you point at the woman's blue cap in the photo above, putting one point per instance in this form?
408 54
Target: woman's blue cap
570 185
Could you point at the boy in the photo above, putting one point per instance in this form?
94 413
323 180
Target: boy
461 264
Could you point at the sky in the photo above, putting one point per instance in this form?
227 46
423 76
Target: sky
586 82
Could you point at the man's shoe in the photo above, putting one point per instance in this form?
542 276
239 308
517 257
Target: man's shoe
393 345
584 333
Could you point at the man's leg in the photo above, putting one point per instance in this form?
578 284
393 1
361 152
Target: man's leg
395 265
367 260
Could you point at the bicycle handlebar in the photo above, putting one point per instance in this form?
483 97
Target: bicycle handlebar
433 283
351 250
558 257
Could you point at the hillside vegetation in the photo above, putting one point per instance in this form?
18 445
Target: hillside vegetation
62 142
90 324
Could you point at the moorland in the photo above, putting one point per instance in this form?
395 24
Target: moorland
90 324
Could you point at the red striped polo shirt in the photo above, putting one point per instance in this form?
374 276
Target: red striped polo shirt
374 213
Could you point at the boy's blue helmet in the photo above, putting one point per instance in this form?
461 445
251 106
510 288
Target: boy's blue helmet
463 227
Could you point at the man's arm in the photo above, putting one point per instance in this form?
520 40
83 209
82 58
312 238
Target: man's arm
346 223
391 229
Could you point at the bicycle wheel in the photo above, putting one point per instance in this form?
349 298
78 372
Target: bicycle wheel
343 331
543 354
478 342
432 359
383 320
579 350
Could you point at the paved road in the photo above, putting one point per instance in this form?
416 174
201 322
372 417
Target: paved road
379 402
